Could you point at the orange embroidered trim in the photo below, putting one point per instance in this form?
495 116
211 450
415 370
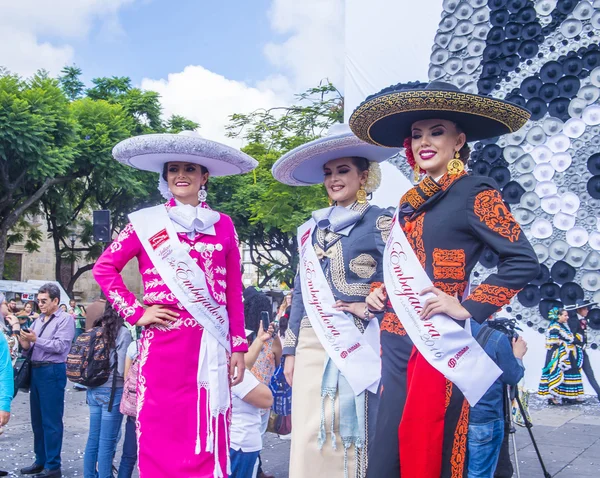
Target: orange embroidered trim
413 198
428 186
452 288
375 285
415 237
491 210
459 447
493 294
391 323
448 393
449 264
446 180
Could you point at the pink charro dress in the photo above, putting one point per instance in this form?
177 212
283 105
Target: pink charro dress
168 398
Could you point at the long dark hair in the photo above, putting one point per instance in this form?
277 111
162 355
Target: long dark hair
255 302
112 323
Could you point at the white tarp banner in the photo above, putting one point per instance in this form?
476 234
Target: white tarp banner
386 42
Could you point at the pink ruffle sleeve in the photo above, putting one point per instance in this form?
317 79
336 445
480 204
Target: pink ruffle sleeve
107 273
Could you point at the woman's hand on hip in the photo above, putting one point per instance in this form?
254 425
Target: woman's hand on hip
288 369
376 300
357 309
237 366
157 314
442 303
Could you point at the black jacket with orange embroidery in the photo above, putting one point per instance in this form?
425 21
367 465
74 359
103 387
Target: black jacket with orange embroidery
450 222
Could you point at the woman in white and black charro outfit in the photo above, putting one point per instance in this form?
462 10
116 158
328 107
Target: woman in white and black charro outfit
331 345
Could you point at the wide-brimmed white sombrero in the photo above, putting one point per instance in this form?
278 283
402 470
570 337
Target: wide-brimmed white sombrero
303 166
151 151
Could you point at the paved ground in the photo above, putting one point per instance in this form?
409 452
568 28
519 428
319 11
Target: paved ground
568 437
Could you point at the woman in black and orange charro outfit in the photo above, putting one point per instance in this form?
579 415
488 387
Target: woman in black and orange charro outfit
449 217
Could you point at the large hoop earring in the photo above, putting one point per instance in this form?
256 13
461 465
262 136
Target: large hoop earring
202 194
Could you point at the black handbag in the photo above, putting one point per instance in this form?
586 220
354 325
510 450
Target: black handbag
22 373
22 368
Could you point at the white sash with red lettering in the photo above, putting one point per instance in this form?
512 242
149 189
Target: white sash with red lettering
187 282
448 347
351 351
180 272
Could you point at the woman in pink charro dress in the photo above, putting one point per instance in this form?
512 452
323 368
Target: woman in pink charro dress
176 438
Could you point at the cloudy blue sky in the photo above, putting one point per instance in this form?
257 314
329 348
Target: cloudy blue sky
208 59
156 37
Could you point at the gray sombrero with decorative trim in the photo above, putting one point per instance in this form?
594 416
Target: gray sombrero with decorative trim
580 304
303 166
386 118
151 151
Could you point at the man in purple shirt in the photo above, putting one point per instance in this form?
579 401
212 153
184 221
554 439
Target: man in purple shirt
48 342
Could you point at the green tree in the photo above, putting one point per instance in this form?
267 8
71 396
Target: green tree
70 82
37 149
100 125
267 213
111 111
143 106
177 124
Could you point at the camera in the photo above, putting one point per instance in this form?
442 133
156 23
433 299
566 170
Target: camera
265 319
266 322
507 326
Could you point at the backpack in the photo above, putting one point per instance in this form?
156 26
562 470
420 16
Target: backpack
282 392
280 421
484 334
128 404
88 362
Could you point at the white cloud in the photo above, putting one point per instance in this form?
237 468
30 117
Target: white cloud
314 47
23 22
209 99
23 54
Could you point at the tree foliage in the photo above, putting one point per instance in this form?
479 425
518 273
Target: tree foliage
109 112
56 139
37 150
71 83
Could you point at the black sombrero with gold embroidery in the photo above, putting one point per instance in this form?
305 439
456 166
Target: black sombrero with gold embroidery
386 118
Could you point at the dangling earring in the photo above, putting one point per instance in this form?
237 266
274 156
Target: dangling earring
361 195
417 173
202 194
330 202
455 166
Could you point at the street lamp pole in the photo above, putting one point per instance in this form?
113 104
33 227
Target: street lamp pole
73 238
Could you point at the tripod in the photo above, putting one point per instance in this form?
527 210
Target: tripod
528 425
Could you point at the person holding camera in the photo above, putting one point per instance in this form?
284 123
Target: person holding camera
48 343
486 419
248 400
264 352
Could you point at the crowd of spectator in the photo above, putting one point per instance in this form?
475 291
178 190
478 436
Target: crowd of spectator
46 330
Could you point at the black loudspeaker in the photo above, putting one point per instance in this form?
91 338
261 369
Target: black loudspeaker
101 226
